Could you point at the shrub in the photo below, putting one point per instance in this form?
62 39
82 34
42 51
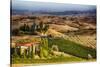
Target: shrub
15 32
55 48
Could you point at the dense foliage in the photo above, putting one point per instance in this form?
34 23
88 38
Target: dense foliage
26 29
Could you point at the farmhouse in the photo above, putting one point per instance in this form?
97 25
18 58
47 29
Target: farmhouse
30 47
26 48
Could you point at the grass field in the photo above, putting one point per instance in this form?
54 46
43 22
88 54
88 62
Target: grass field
53 60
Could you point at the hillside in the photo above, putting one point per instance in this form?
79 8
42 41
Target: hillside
75 28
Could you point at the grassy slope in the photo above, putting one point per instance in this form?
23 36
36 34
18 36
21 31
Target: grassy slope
72 48
53 60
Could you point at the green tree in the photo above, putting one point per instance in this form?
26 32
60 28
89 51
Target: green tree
33 28
43 28
25 28
15 32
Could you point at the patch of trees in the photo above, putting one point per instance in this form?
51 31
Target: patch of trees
15 32
30 29
31 17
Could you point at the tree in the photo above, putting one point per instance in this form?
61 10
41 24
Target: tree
46 27
25 28
15 32
41 25
33 28
43 28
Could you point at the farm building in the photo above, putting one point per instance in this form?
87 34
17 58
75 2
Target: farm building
30 49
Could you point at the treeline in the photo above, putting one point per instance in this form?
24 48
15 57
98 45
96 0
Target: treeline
30 29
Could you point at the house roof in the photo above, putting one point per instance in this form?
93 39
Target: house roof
27 44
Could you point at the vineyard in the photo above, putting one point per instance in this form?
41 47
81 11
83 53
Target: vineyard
84 40
73 48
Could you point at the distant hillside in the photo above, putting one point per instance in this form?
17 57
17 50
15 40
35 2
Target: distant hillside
30 12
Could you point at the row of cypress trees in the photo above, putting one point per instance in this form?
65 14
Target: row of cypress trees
31 29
